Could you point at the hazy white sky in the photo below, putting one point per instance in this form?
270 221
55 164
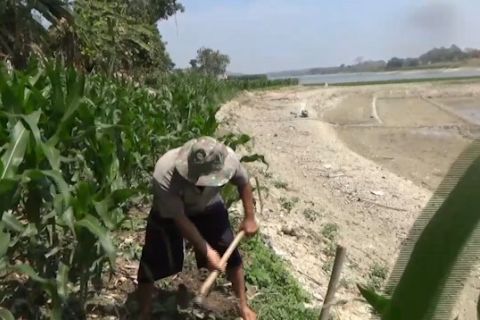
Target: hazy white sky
274 35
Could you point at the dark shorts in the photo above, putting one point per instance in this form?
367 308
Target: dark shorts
163 251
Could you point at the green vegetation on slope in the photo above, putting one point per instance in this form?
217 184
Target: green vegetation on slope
279 295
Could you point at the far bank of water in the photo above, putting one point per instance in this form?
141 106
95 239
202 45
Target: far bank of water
360 77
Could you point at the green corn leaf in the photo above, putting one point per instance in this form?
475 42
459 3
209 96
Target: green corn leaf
31 122
49 285
30 230
57 90
34 78
8 97
15 152
94 226
67 219
447 238
102 209
5 314
253 158
376 301
84 195
121 195
12 223
234 140
56 177
8 189
75 87
52 154
106 207
4 241
28 271
62 280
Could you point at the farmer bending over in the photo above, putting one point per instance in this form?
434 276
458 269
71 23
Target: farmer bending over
187 204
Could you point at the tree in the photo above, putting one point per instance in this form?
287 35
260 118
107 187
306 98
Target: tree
150 11
442 54
472 53
193 63
358 60
411 62
210 62
106 35
395 63
111 40
24 27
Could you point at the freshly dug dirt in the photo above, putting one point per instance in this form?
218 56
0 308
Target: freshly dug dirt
173 299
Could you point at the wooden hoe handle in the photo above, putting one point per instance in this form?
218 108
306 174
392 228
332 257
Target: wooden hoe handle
213 276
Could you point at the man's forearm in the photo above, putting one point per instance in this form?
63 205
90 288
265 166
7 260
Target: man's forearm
191 233
246 194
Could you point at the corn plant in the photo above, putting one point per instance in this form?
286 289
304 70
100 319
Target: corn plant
441 249
74 150
60 182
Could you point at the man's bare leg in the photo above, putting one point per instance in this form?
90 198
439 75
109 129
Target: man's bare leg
144 296
237 277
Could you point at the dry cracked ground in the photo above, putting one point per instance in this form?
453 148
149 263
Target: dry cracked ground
357 172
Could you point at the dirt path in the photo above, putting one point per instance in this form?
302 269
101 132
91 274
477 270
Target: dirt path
333 179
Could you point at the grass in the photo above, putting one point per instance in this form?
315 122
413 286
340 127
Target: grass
330 231
310 214
377 275
288 204
280 184
279 295
267 174
330 249
327 266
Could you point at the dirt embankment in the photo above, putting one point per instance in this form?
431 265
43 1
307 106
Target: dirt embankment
357 171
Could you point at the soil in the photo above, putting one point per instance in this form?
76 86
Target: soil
366 159
173 298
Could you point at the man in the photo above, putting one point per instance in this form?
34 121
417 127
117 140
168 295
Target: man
187 205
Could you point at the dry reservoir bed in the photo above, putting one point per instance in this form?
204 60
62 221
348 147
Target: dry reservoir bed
417 138
357 171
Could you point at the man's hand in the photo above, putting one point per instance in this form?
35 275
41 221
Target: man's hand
213 260
250 226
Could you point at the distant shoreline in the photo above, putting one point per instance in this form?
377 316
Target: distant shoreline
293 74
365 83
390 76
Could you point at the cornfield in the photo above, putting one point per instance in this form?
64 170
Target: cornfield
76 152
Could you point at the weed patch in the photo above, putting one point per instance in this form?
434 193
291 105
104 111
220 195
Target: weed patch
330 231
377 275
288 204
280 184
279 295
310 214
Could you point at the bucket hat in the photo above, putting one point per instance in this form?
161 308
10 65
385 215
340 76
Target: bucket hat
206 162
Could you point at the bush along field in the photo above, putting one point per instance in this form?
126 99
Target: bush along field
76 152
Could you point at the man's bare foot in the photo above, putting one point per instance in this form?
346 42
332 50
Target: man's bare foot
247 314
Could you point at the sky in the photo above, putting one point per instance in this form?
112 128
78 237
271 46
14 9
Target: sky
274 35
